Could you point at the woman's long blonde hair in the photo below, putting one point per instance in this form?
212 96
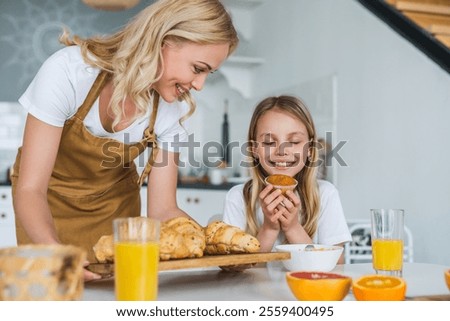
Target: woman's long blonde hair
307 187
133 54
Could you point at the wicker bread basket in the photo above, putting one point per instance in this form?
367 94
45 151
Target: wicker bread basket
41 272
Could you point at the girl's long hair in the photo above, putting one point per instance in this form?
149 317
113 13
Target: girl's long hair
133 54
307 187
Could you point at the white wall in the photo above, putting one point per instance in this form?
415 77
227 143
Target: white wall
393 109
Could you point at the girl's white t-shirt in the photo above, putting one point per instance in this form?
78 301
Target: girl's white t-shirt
332 227
61 86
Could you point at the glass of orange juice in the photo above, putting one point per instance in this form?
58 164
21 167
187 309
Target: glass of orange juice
136 257
387 241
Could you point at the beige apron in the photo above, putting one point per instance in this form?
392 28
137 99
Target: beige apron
94 179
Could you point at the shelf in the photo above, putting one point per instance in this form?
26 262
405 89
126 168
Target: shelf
237 71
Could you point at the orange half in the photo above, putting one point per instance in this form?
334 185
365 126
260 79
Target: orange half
318 286
379 288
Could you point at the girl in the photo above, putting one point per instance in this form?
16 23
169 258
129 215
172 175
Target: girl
282 139
95 105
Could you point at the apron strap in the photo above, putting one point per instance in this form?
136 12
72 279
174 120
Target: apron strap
150 137
94 92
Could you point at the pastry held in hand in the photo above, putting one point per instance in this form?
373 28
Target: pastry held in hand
283 182
222 238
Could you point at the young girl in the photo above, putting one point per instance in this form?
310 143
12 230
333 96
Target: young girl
283 141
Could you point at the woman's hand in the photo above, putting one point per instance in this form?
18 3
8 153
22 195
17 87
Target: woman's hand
88 275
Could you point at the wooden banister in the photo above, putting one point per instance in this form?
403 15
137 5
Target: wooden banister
415 26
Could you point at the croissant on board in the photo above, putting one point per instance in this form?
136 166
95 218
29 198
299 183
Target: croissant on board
180 238
104 249
222 238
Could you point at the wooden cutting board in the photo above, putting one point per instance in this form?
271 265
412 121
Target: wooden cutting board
106 270
223 260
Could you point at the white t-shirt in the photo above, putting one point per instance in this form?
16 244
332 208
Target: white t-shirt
61 86
332 227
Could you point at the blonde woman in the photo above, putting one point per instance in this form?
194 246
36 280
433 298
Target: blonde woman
283 140
96 105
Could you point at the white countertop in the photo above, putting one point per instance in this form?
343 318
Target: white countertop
263 283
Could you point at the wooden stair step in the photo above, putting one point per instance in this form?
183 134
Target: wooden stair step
439 29
423 7
445 39
433 2
425 20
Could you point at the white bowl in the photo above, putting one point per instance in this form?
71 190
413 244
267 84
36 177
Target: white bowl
322 258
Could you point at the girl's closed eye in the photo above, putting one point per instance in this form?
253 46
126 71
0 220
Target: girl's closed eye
268 143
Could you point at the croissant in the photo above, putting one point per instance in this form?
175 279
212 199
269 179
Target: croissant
104 249
222 238
181 238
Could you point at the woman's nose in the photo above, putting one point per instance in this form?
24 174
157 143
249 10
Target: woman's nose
199 82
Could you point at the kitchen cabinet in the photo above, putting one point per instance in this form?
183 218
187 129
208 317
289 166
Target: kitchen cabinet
7 224
200 204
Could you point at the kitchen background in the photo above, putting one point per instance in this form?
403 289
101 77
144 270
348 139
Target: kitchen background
383 102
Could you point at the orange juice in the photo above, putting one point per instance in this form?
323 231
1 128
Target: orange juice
387 255
136 271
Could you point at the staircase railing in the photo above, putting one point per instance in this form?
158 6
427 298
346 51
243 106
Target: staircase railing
422 39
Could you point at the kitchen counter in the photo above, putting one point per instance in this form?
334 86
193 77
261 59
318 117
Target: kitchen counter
206 186
263 283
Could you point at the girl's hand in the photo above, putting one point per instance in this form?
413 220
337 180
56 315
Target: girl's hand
289 211
289 220
270 201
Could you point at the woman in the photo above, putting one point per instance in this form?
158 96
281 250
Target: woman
95 105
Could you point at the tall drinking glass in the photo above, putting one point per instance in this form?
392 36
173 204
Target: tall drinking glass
136 257
387 241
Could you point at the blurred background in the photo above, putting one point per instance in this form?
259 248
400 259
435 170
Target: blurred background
384 103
